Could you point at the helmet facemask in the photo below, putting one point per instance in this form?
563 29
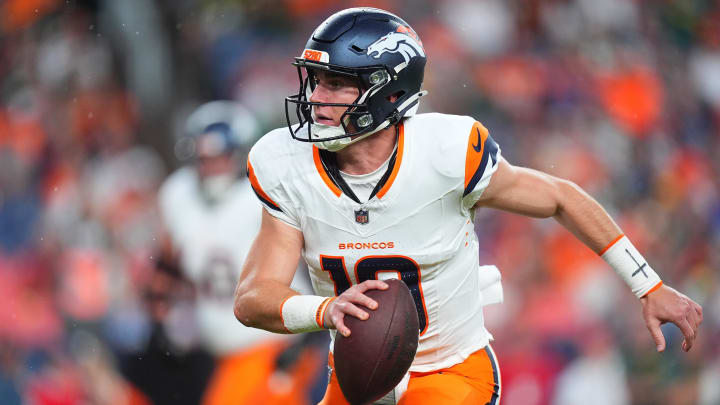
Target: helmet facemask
357 121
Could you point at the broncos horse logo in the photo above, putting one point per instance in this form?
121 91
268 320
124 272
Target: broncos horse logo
396 42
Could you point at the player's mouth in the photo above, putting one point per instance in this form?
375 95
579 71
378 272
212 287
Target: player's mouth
323 119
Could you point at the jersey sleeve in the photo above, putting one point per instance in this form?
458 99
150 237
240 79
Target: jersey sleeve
265 174
481 162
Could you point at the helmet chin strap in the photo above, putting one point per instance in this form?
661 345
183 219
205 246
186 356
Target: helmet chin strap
334 145
330 131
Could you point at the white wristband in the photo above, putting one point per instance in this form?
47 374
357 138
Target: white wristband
304 313
627 262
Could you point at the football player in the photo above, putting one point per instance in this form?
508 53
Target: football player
366 189
211 216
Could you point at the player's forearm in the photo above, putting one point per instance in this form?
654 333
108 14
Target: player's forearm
266 276
257 304
534 193
584 217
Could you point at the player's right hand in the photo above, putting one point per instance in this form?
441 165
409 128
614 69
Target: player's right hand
668 305
347 303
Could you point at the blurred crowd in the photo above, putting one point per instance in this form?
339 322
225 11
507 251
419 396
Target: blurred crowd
620 96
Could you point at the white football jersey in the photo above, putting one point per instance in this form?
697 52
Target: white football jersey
212 242
417 227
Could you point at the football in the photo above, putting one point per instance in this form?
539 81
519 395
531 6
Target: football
377 354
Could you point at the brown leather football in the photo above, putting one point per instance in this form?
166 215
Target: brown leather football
377 354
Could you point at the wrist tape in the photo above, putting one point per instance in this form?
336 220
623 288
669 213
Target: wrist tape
627 262
304 313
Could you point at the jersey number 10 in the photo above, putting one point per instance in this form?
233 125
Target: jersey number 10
370 267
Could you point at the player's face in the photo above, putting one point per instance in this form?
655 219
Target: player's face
332 88
208 166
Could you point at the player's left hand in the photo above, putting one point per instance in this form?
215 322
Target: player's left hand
668 305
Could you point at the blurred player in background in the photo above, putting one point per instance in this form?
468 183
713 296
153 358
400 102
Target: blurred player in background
376 189
211 215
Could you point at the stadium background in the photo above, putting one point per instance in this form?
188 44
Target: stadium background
622 97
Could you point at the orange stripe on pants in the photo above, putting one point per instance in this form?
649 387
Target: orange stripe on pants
475 381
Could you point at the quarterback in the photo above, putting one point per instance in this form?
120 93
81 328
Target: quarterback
365 189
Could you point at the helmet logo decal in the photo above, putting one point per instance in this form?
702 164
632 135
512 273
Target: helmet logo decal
317 56
403 42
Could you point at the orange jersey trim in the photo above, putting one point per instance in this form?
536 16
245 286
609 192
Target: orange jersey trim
258 190
474 156
614 241
323 173
398 161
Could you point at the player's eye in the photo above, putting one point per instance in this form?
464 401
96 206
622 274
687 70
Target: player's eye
335 84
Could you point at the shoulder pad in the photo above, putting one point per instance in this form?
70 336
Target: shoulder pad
272 161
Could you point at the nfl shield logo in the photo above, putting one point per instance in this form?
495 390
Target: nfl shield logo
361 216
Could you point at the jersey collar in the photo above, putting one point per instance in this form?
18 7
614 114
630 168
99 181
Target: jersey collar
326 166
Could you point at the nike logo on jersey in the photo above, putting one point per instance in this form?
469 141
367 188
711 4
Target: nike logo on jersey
481 149
478 146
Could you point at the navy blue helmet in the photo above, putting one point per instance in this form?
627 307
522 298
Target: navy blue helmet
217 127
215 139
376 48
